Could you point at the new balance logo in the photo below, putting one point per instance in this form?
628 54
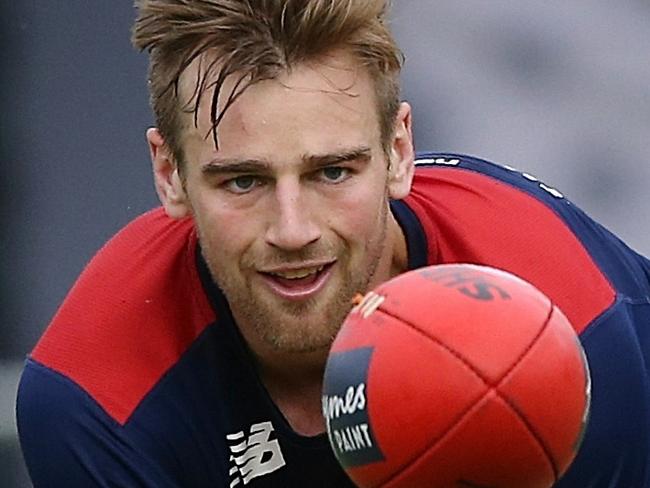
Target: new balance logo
255 456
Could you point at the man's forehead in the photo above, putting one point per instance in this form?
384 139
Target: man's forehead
349 100
336 72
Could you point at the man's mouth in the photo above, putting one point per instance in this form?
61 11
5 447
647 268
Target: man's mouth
298 283
298 274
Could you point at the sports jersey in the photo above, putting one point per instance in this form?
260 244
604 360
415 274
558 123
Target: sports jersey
143 379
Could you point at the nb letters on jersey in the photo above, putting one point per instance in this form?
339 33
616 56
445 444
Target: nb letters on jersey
253 455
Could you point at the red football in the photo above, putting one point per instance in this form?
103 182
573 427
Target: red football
456 376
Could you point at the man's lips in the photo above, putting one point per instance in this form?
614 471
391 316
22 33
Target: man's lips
298 283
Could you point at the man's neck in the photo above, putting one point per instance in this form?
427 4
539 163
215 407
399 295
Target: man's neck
295 386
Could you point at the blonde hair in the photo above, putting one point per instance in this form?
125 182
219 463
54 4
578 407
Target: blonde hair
256 40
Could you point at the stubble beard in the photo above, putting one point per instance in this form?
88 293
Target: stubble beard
299 327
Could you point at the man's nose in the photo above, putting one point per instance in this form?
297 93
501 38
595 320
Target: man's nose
293 223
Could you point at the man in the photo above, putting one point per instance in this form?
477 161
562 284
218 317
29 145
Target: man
191 350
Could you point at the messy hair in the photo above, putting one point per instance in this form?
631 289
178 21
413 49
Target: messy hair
255 40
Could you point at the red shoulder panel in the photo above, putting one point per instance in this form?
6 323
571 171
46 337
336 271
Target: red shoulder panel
132 313
472 218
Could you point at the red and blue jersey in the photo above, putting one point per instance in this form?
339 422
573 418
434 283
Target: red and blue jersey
142 378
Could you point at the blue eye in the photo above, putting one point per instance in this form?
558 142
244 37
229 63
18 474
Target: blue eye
335 173
242 184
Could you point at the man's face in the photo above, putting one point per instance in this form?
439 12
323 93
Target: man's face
292 210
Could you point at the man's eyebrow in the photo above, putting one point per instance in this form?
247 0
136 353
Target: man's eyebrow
239 166
222 166
362 153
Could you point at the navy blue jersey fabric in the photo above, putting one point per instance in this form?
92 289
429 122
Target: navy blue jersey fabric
209 410
177 437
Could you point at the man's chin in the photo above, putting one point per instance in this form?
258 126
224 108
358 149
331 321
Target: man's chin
294 326
298 349
297 334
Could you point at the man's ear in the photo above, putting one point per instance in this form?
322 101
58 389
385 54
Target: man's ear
402 155
169 185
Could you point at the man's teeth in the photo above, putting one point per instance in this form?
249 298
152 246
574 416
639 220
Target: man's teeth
296 274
